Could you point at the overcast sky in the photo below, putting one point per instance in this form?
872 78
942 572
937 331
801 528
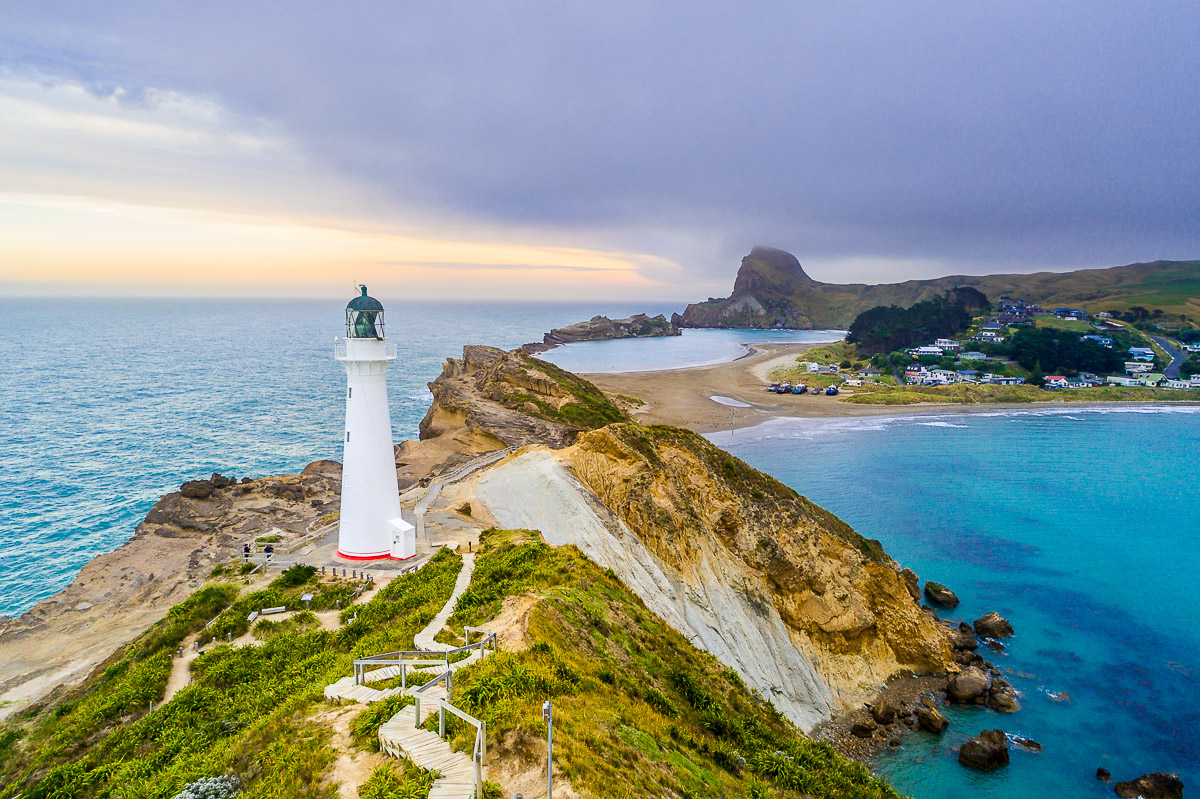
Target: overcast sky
582 150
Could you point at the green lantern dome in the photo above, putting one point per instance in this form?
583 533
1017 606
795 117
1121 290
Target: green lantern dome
364 317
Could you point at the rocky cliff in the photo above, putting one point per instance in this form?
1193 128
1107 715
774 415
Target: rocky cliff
601 328
772 290
812 615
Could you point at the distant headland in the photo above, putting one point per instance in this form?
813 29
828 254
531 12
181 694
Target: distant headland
772 290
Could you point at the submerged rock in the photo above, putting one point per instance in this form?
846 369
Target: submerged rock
939 594
993 625
1028 744
968 686
987 751
1151 786
1103 775
931 720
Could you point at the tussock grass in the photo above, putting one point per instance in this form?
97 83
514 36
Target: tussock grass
243 714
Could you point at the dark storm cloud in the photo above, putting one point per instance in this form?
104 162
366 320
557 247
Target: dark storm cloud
1006 135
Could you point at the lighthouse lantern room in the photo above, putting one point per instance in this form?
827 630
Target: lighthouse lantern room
370 525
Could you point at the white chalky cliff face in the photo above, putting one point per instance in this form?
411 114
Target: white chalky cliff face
370 526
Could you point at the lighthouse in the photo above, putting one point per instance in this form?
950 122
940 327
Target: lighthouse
370 526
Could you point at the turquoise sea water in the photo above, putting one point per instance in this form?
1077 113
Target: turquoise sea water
1079 525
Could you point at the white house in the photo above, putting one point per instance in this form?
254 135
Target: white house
1178 384
1121 380
1138 367
927 350
1056 381
948 344
1152 380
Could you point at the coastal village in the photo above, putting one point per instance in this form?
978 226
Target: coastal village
978 357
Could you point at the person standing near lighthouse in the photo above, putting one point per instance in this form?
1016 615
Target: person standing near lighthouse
370 525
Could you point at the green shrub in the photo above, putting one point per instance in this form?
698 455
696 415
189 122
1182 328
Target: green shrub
387 782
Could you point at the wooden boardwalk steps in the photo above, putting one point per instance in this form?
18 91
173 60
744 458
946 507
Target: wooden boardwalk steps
401 735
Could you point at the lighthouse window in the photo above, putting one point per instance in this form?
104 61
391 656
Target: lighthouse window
347 435
349 393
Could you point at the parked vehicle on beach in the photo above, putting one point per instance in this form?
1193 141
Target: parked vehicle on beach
832 391
799 388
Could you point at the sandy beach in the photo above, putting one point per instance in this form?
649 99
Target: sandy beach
683 397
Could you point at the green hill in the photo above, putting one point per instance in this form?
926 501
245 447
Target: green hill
773 290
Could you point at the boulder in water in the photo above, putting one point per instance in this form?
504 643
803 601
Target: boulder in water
968 686
1151 786
987 751
1103 775
993 625
931 720
940 595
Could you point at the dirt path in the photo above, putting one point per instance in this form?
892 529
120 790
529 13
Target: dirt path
353 766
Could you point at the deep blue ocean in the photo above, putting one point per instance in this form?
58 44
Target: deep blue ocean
1079 526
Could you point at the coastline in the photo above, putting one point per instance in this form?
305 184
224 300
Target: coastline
683 397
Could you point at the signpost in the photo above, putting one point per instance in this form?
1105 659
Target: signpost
548 716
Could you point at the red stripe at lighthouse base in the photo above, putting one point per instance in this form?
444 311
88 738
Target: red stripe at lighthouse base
380 556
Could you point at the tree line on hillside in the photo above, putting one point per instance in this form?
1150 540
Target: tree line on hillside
886 328
1052 351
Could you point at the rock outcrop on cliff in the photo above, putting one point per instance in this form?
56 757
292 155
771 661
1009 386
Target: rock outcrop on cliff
811 614
491 399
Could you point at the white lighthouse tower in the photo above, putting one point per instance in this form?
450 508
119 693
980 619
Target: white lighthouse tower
370 526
